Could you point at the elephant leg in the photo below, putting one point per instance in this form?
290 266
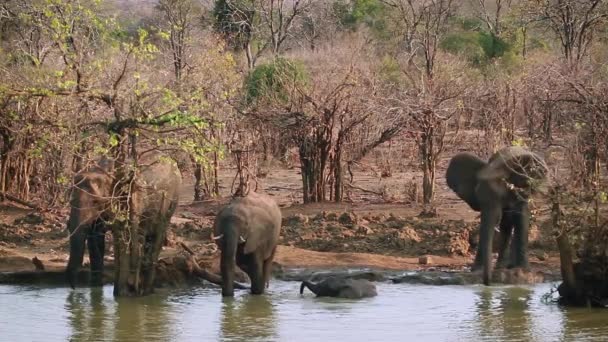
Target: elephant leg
255 269
490 217
77 246
268 267
519 248
506 229
152 249
96 244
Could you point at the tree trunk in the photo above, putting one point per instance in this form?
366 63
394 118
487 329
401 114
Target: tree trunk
198 174
428 169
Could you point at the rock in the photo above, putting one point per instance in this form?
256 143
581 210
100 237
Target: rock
365 230
331 217
425 260
38 264
31 218
348 218
320 216
541 256
410 235
188 215
394 224
296 219
347 233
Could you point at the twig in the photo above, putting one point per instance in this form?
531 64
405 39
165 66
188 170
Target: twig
362 189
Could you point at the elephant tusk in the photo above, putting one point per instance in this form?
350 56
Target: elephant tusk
216 237
242 239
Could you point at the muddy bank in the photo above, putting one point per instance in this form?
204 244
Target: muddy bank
295 264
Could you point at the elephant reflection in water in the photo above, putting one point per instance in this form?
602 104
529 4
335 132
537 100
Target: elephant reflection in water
100 316
87 315
249 317
504 314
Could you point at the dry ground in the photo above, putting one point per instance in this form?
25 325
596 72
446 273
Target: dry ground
378 226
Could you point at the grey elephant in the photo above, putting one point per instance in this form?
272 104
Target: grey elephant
156 198
500 190
341 288
247 232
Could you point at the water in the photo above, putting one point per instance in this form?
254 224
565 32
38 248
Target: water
400 312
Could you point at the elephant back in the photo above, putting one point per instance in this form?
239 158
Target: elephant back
517 165
160 180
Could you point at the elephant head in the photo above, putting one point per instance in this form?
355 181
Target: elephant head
229 242
89 206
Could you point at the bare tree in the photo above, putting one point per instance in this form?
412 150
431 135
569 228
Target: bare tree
574 22
259 25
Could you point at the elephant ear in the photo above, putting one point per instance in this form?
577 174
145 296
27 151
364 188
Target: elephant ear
516 165
461 177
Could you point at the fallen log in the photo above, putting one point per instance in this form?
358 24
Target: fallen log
202 273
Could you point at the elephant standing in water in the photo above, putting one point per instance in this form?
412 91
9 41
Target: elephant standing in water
156 198
341 287
500 190
247 232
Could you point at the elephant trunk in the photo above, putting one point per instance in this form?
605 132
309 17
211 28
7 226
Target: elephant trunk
77 246
485 248
227 263
311 286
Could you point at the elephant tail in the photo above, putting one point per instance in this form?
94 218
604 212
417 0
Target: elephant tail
305 284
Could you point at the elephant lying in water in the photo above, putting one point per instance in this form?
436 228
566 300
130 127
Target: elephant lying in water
341 288
500 190
247 232
156 200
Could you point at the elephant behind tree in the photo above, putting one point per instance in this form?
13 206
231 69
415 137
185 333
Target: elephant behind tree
341 288
500 190
247 233
156 198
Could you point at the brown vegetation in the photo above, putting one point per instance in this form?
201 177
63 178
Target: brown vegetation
366 99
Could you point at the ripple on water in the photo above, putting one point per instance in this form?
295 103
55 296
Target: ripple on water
399 312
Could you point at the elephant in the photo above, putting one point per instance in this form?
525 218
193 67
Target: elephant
341 288
156 198
247 232
499 189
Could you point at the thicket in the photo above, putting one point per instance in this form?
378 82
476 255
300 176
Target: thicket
333 79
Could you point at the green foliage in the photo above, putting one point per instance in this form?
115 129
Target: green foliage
492 45
478 47
466 44
274 80
355 12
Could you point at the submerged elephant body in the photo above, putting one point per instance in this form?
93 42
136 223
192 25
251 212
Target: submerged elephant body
341 288
155 199
500 190
247 233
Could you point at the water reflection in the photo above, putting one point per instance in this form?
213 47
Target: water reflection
87 315
584 324
248 318
98 316
505 314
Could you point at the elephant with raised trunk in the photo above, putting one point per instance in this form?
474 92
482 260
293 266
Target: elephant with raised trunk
155 200
247 233
341 288
500 190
